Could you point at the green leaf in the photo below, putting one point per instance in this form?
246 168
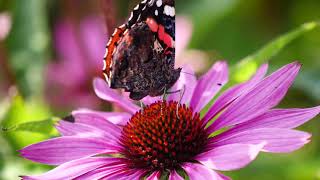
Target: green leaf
19 114
42 126
248 65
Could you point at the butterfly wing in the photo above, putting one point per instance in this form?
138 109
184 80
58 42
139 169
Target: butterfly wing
159 15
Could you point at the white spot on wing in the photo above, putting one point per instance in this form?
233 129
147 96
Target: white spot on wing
115 32
136 8
144 7
169 11
131 16
166 10
151 2
106 53
104 65
156 12
159 3
106 78
109 42
139 17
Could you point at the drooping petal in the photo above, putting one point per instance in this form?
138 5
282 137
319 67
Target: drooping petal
276 140
175 176
208 85
185 84
265 95
63 149
277 118
233 93
118 118
104 92
230 156
197 171
74 168
154 176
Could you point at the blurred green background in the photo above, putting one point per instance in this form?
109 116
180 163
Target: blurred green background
48 57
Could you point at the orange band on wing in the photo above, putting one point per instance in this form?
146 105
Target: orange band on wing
111 48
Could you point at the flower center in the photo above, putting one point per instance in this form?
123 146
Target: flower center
163 135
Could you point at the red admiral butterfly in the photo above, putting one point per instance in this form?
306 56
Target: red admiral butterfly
140 54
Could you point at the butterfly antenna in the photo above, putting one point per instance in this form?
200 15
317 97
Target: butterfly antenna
191 74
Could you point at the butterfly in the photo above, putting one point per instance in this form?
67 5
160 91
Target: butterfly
140 54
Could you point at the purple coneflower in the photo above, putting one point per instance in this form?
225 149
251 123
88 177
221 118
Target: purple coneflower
79 48
171 139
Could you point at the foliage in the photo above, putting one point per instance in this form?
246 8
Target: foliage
228 29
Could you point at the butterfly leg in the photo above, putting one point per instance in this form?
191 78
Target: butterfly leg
182 91
142 105
165 94
164 97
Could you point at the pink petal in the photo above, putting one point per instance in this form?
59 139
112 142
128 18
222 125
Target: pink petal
277 118
209 84
185 84
73 169
149 100
260 73
276 140
233 93
103 171
175 176
197 171
83 130
63 149
118 118
265 95
154 176
126 174
104 92
229 157
95 120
